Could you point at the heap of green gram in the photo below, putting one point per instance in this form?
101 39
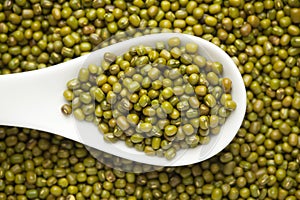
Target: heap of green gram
157 100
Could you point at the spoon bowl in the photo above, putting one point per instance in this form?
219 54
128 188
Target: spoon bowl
33 100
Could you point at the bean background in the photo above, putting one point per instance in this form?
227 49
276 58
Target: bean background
263 39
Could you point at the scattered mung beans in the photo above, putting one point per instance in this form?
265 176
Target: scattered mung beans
42 30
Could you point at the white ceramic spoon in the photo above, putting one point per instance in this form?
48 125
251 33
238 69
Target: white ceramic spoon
34 99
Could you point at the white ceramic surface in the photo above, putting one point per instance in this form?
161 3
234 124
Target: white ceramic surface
33 100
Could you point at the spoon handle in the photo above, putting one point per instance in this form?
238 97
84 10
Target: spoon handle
33 99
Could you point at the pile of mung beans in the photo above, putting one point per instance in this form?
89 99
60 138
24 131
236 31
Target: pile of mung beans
157 99
262 37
